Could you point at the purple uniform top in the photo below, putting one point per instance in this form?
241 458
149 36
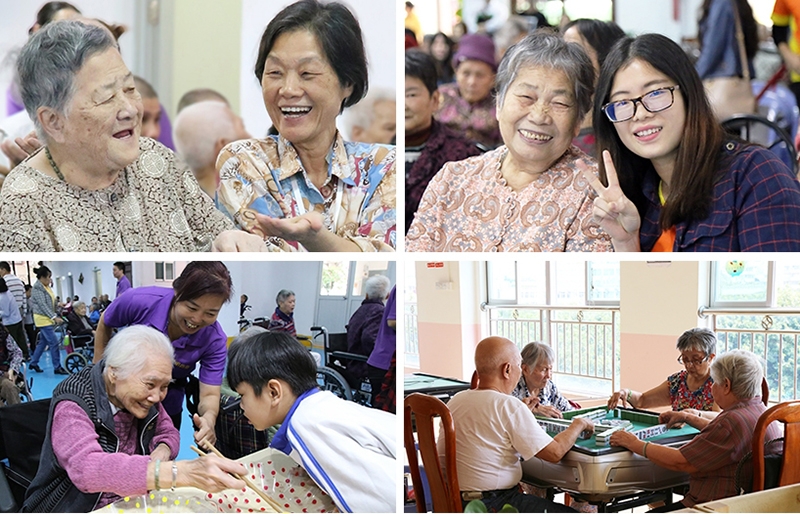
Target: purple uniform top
381 356
123 284
150 306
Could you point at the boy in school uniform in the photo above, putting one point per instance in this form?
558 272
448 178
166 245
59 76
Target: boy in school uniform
348 449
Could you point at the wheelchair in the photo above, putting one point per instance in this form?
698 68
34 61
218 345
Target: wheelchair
81 354
24 386
333 375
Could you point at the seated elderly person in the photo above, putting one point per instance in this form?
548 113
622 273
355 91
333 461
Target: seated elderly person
494 430
712 457
372 120
528 195
109 436
96 185
308 189
282 319
362 329
535 387
77 322
688 389
467 106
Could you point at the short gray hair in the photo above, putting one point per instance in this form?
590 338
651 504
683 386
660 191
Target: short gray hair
283 294
544 49
534 352
363 113
129 350
377 286
743 369
78 305
49 61
198 127
698 339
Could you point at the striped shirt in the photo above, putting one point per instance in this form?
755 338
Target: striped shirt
17 288
719 447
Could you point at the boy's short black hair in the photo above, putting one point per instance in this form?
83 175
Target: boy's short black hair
271 355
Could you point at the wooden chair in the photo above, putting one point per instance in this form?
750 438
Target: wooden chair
443 483
787 413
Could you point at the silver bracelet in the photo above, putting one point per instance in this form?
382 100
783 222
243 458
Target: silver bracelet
174 475
158 468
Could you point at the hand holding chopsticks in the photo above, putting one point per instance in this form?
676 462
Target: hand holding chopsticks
258 490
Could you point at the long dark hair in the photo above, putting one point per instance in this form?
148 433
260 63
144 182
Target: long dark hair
444 68
49 10
749 25
699 152
601 35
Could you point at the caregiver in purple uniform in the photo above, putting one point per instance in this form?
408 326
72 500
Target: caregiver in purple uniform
187 314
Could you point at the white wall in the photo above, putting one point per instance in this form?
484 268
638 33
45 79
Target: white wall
378 24
17 16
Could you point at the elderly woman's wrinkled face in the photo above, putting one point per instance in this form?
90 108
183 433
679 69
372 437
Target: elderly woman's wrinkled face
137 392
301 90
536 377
80 311
103 119
287 305
538 118
475 80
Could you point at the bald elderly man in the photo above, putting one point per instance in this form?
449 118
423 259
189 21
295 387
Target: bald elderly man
494 430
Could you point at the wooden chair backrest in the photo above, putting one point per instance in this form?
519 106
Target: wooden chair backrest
789 414
443 483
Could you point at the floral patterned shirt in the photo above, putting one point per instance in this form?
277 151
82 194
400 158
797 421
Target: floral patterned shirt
548 395
357 200
468 207
155 205
476 121
682 397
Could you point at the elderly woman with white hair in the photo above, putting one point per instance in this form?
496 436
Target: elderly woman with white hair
536 387
362 329
687 389
109 436
712 457
527 195
282 319
96 185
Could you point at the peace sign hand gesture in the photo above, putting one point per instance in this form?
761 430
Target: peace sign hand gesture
612 210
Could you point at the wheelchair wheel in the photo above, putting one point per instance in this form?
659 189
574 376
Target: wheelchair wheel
75 362
333 381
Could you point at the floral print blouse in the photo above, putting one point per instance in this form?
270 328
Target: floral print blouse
682 397
357 200
469 207
155 205
549 395
475 121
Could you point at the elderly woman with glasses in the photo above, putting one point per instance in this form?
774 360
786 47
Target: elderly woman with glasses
711 459
527 195
672 179
97 185
687 389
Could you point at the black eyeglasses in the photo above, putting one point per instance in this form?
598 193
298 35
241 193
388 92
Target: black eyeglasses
654 101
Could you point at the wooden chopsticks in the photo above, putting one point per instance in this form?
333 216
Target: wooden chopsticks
272 503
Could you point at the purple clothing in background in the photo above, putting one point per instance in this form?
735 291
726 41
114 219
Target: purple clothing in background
476 121
442 146
362 330
90 468
381 356
165 138
123 285
12 106
150 306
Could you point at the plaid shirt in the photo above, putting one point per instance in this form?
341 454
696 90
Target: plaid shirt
755 207
719 447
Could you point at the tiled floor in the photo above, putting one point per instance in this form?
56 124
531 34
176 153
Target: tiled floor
44 383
